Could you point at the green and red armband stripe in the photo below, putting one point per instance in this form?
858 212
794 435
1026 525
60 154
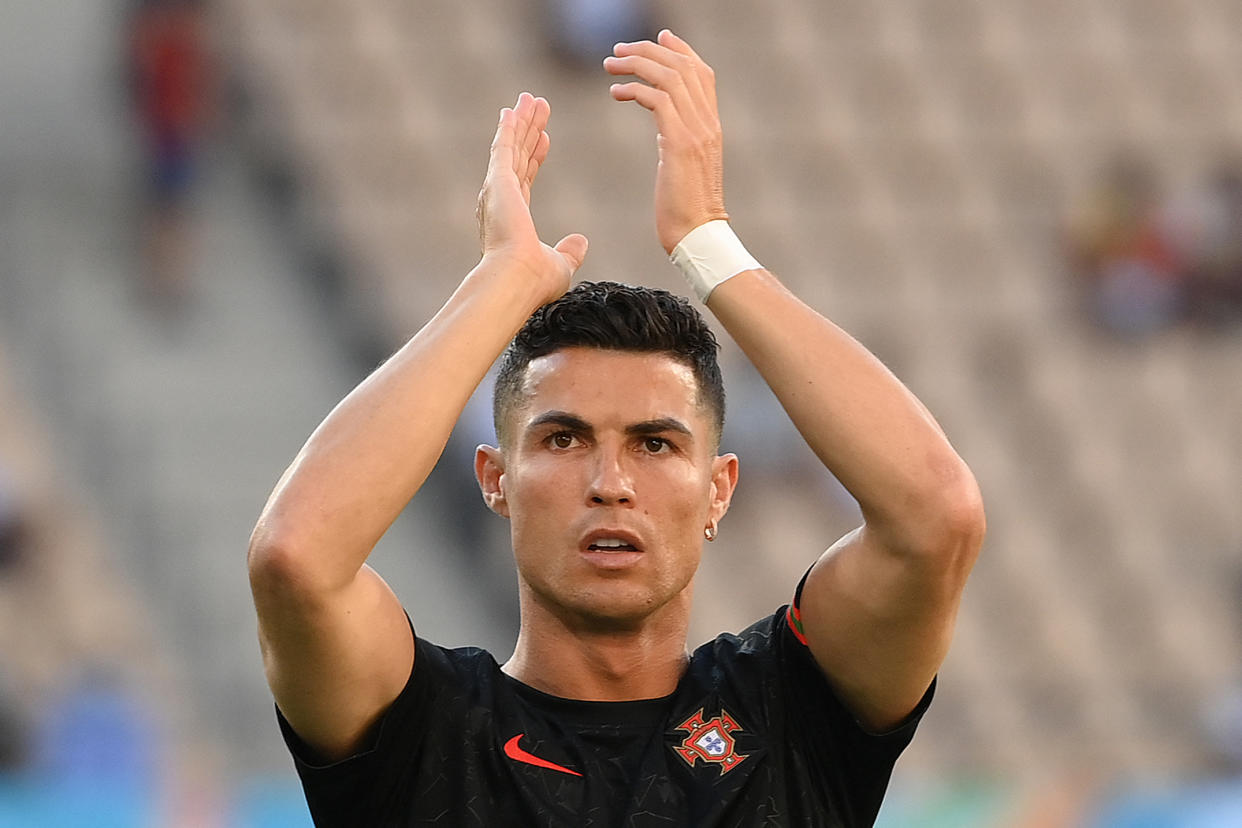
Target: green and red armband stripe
793 613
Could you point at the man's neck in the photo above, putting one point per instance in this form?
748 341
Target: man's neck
574 662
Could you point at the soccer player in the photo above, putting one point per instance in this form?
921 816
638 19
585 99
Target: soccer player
608 413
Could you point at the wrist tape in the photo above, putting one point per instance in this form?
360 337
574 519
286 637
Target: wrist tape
710 254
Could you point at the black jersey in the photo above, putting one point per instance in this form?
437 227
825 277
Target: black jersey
752 736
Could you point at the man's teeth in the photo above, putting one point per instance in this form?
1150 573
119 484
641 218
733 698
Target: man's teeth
611 543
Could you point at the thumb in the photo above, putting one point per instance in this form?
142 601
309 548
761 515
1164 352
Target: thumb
574 248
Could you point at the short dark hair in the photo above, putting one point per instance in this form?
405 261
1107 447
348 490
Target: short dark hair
617 317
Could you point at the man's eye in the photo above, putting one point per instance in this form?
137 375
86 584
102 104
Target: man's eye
562 440
655 445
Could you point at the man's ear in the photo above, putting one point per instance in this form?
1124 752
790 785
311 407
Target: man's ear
724 483
489 470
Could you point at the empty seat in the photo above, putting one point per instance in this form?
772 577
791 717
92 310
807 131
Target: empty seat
883 93
1163 24
921 177
986 95
949 24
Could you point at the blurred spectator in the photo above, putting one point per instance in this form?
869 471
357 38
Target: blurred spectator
1222 716
1149 260
97 733
169 80
1124 248
14 527
14 538
1223 723
583 32
1215 285
13 726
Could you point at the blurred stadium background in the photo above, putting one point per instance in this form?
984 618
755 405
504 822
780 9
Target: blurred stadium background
914 168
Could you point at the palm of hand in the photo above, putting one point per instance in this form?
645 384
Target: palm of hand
506 227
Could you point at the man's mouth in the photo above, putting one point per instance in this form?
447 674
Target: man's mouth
611 545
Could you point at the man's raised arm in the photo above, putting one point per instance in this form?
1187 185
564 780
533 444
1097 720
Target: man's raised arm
878 607
336 645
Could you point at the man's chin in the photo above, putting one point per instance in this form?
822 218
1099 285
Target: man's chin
607 605
605 611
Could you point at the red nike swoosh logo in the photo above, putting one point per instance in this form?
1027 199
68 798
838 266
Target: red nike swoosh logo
514 752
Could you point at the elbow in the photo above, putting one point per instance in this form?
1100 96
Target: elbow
965 519
278 563
941 524
269 560
955 523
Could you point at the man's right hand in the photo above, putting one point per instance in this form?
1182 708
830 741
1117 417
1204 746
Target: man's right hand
506 229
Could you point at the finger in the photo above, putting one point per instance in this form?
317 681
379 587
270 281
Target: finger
536 160
667 39
648 48
523 111
668 122
703 72
538 125
502 144
536 118
574 249
648 68
669 70
674 51
541 149
661 77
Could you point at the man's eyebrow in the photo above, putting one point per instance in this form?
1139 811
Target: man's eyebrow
659 426
563 419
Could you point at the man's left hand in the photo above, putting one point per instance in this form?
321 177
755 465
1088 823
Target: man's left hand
682 94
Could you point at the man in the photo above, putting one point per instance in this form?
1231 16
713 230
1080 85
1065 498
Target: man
608 416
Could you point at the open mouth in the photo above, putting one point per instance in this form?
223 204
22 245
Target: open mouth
611 545
611 549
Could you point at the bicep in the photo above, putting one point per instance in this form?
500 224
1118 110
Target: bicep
879 623
335 660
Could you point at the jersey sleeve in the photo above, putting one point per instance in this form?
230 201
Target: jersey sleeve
366 786
854 763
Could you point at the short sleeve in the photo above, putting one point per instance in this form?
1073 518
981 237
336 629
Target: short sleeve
854 762
366 786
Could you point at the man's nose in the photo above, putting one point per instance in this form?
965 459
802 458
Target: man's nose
611 483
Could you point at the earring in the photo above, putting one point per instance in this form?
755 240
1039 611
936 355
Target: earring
710 533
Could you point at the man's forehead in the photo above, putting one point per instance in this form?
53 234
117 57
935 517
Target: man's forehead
575 366
638 384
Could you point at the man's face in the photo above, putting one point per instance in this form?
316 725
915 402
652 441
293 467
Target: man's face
609 480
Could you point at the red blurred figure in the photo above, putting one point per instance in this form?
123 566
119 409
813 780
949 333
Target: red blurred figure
169 71
1124 244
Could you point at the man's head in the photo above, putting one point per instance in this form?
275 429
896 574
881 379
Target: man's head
608 407
615 317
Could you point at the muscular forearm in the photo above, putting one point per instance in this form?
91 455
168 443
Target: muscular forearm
371 454
862 423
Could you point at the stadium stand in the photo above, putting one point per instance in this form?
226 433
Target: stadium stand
95 703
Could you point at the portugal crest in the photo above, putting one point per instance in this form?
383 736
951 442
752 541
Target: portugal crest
710 740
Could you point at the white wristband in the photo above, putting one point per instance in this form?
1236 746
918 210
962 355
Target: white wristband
710 254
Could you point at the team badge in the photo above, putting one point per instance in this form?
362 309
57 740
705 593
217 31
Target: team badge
710 740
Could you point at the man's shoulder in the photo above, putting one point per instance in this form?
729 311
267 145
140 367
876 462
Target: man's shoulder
459 664
743 657
758 639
